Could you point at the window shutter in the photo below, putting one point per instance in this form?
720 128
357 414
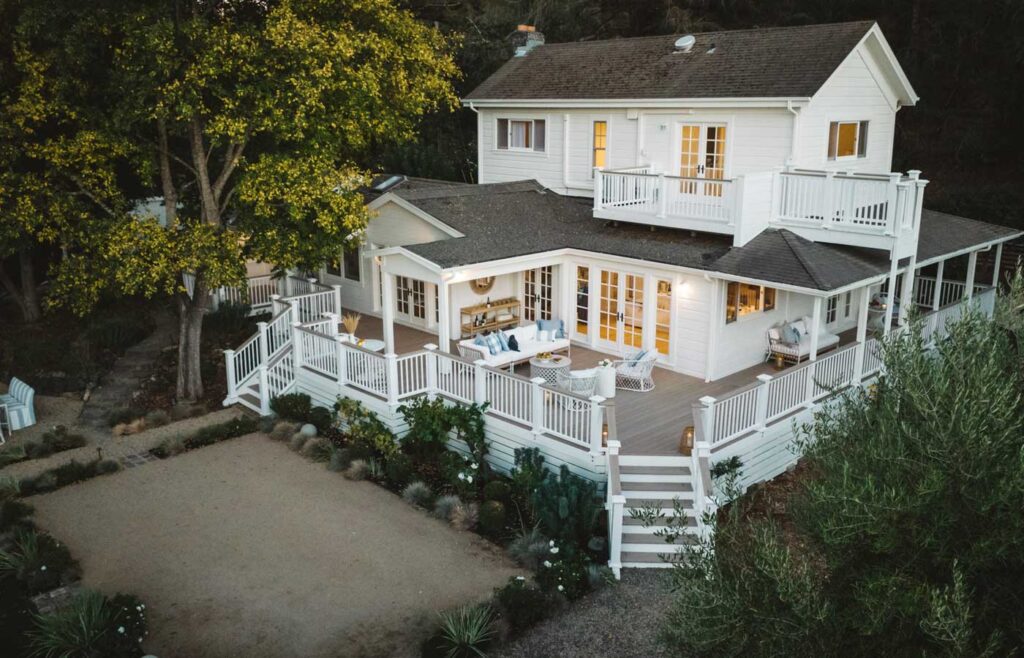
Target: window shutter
833 137
538 135
862 140
502 133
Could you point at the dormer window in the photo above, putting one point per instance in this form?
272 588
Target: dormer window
520 135
847 139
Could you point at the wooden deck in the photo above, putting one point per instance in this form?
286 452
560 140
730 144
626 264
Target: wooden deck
649 423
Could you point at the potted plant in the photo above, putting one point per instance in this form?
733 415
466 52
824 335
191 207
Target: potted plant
351 322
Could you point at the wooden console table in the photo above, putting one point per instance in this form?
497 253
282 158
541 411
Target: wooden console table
500 314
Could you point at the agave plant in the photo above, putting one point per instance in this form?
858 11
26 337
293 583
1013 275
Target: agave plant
466 631
77 630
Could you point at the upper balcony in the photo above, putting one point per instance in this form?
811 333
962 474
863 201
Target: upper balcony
878 211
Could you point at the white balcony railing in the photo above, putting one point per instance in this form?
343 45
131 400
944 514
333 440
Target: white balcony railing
643 193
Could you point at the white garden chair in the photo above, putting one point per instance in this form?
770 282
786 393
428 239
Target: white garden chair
635 372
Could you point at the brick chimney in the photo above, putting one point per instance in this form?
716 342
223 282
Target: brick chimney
525 39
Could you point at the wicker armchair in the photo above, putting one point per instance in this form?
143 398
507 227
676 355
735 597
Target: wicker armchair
579 382
635 372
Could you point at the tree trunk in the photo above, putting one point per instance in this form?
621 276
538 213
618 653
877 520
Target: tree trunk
23 294
190 330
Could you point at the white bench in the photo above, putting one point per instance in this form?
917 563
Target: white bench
529 347
20 404
800 350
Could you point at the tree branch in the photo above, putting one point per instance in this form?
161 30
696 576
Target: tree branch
166 181
92 197
231 158
207 202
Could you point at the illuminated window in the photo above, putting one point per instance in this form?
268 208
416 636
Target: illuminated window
520 134
663 321
537 293
582 300
847 139
600 143
746 298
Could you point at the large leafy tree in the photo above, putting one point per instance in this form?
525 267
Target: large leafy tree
249 118
904 535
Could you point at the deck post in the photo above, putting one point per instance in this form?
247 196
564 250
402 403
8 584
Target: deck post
431 370
537 404
862 334
337 299
937 293
706 502
391 377
762 400
479 381
596 423
907 290
264 390
388 311
598 188
815 328
809 394
444 317
287 284
995 266
662 196
229 364
972 265
890 294
297 343
615 506
332 329
339 344
828 209
705 419
264 352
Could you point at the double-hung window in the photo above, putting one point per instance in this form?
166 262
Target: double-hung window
520 135
831 307
847 139
745 298
600 144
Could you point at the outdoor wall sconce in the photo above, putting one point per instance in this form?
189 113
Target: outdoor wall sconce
686 442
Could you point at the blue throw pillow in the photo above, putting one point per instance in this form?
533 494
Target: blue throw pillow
513 344
503 339
637 358
791 334
561 329
555 327
493 344
479 340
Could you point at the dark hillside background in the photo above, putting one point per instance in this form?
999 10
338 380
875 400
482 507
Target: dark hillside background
965 58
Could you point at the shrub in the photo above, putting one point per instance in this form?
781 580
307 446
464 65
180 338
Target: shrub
37 560
12 455
59 439
465 516
121 416
492 518
568 508
340 460
107 466
118 332
230 429
365 431
520 605
566 573
318 449
9 487
400 469
497 490
429 423
230 319
324 419
357 470
467 631
444 506
292 406
157 418
527 475
283 431
14 513
92 625
529 548
375 469
73 471
298 441
418 494
169 448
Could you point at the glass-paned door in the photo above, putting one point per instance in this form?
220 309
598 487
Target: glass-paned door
621 310
701 156
663 318
410 299
538 286
582 300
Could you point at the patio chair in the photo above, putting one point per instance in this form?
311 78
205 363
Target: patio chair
578 382
20 403
635 372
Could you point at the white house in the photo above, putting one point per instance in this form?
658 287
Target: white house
718 205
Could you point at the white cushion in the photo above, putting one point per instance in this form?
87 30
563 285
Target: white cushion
774 333
800 326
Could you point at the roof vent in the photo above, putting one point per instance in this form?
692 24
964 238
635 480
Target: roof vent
685 43
525 39
388 183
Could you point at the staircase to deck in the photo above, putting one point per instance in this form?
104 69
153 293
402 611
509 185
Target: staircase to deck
656 482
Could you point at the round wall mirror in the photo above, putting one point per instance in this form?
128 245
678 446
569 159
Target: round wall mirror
482 285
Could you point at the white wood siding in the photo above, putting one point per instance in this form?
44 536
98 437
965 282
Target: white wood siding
857 91
690 325
742 344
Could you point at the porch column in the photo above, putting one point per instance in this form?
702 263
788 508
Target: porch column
567 275
815 328
907 290
972 264
995 266
388 309
862 333
891 294
937 293
444 313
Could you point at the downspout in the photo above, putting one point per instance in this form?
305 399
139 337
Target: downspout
479 139
565 152
711 357
796 127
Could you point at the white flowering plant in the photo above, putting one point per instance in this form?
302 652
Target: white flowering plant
564 572
467 479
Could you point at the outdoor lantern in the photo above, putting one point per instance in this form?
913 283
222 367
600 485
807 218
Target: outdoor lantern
604 435
686 443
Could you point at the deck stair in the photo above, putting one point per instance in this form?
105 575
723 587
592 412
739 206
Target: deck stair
653 481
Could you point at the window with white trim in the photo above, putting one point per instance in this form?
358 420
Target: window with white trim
600 144
847 140
746 298
848 304
831 308
520 135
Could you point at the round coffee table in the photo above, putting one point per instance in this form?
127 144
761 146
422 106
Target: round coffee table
548 369
372 344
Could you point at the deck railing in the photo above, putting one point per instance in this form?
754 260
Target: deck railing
639 191
752 408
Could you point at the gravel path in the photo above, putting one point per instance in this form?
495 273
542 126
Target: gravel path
244 548
620 621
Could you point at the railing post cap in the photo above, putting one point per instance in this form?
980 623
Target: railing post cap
275 296
596 399
340 339
430 347
914 173
229 352
480 362
390 355
261 325
296 323
538 380
614 444
336 286
765 377
707 400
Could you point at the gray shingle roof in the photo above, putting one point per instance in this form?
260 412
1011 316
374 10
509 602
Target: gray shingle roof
506 220
780 62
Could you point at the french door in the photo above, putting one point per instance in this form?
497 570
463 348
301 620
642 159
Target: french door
538 287
410 300
620 311
701 158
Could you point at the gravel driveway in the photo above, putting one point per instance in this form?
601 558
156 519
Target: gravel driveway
245 549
